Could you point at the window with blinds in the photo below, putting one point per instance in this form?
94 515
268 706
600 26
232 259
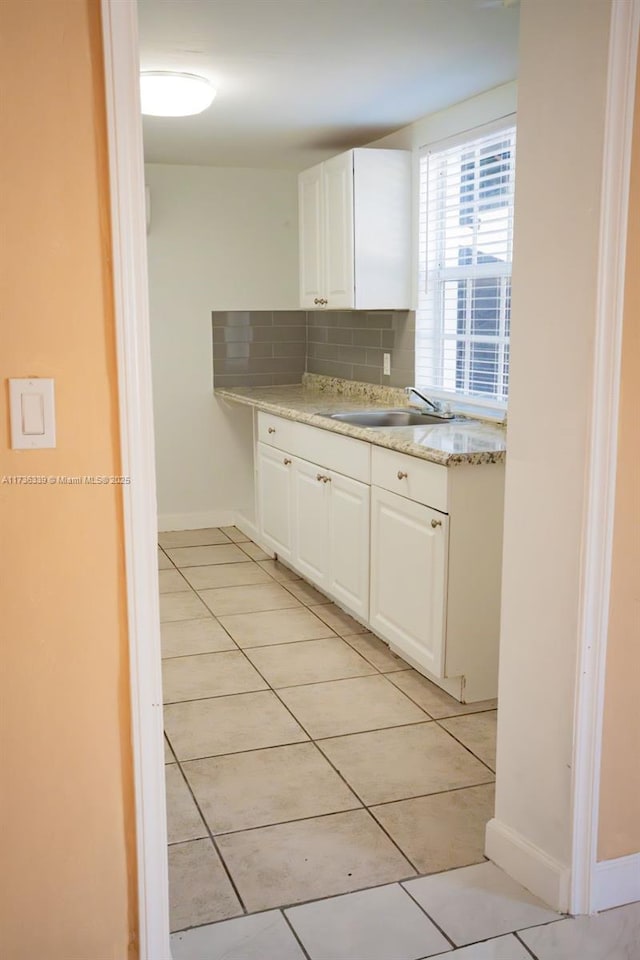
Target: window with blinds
465 253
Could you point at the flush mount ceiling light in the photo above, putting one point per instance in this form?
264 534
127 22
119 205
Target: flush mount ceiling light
167 94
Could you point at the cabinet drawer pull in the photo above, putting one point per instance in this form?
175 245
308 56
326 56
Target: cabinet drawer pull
326 479
317 301
286 461
271 430
436 523
319 477
402 475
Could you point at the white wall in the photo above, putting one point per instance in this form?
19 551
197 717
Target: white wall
561 99
220 239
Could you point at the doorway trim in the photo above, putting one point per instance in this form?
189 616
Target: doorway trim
133 346
120 40
587 880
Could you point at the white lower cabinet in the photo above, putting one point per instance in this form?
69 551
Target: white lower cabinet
409 577
274 499
310 507
409 547
318 521
349 543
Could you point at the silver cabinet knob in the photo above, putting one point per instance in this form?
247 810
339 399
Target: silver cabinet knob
286 461
436 523
402 475
271 430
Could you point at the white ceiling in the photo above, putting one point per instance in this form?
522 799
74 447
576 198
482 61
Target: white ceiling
300 80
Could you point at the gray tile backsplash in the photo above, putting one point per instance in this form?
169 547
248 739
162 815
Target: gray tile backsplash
351 344
261 348
254 348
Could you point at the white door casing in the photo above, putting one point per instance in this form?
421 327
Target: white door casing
133 348
136 418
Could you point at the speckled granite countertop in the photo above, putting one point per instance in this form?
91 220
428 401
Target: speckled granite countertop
448 443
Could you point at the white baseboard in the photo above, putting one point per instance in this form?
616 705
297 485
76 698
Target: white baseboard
543 876
248 528
616 882
196 521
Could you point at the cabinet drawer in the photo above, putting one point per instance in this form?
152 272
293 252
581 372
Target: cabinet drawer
275 431
410 477
342 454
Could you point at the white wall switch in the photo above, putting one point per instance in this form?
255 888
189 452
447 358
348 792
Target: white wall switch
386 360
33 418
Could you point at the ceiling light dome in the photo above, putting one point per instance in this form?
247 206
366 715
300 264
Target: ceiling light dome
167 94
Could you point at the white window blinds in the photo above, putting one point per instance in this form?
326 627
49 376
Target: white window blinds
465 253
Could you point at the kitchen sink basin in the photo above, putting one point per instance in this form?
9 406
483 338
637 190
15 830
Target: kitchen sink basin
386 418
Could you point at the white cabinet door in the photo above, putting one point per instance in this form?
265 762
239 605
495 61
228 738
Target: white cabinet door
311 236
274 497
409 577
310 508
349 544
339 236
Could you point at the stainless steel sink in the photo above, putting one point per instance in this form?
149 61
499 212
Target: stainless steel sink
386 418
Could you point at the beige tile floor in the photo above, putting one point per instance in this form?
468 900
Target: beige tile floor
304 761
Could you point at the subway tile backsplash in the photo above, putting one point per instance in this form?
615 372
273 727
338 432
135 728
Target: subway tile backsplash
351 344
262 348
254 348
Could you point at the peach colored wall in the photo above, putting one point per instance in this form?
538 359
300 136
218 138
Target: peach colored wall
620 778
67 817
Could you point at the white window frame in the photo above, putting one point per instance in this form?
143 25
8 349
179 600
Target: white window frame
458 399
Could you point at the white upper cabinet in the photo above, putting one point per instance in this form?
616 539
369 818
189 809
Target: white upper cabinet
355 231
310 215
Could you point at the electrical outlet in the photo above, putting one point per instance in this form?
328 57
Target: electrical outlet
386 361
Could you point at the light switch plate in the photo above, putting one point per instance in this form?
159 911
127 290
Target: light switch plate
33 417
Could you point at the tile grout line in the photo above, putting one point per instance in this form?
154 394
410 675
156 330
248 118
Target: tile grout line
435 793
526 947
295 933
379 669
303 903
363 806
452 716
203 653
318 603
237 753
212 839
188 546
468 749
277 823
429 917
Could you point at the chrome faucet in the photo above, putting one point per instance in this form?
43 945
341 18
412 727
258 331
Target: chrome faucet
438 408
